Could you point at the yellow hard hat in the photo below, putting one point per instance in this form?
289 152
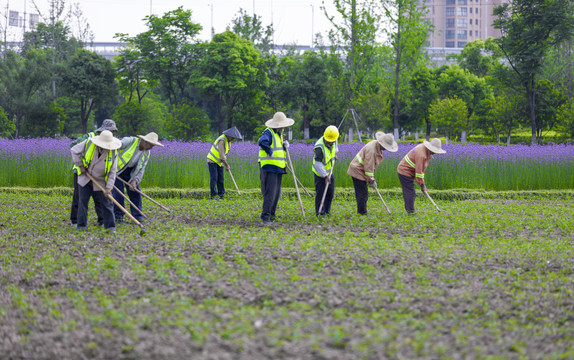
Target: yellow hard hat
331 133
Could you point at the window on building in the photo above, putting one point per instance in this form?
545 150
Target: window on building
449 44
450 11
461 34
462 2
476 22
476 11
461 23
471 10
450 2
470 21
449 34
462 11
449 23
461 44
476 33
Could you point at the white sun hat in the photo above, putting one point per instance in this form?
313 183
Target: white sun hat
151 138
106 140
435 145
387 141
279 121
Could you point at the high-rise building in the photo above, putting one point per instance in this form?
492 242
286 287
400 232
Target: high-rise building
457 22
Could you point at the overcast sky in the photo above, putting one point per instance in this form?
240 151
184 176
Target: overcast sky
294 20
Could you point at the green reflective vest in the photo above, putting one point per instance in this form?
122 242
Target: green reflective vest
214 152
328 155
89 135
278 157
89 150
126 155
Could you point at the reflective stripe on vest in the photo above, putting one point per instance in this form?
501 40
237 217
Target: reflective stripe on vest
126 155
278 157
328 155
214 151
422 176
89 150
362 163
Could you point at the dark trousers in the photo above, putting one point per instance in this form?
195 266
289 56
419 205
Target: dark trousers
361 195
409 194
134 196
84 194
216 185
74 210
271 190
319 190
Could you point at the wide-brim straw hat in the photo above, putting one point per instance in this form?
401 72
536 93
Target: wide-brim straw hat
234 133
387 141
107 124
106 140
435 145
279 121
151 138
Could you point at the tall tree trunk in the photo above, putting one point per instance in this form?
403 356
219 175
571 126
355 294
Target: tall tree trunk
305 110
530 96
219 109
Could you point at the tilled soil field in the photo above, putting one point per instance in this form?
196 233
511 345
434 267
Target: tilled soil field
482 279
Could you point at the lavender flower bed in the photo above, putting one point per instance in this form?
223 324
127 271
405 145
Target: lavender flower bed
46 162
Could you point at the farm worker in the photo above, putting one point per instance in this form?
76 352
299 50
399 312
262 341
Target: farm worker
97 156
272 162
217 160
413 166
362 167
133 157
324 154
109 125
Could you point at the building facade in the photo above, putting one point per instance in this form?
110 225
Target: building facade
457 22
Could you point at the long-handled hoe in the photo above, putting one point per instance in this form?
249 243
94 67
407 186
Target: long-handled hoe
130 202
326 187
384 203
144 195
234 183
142 232
431 200
295 181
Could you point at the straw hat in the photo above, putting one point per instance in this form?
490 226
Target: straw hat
151 138
107 124
106 140
279 121
387 141
435 145
234 133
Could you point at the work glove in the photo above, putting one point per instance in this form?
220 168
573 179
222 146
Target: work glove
423 188
82 170
107 192
227 167
327 180
133 185
373 185
286 144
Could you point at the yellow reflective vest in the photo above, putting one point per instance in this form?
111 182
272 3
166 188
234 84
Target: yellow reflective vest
89 150
278 157
328 155
214 151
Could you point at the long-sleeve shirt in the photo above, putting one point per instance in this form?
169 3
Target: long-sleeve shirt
265 142
363 166
138 161
96 168
318 163
420 156
221 150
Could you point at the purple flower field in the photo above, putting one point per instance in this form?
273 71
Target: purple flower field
182 164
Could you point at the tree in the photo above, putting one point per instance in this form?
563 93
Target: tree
251 28
229 72
479 56
168 51
306 78
188 123
131 74
504 112
529 29
354 36
548 101
407 33
424 92
22 79
89 78
449 114
565 116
